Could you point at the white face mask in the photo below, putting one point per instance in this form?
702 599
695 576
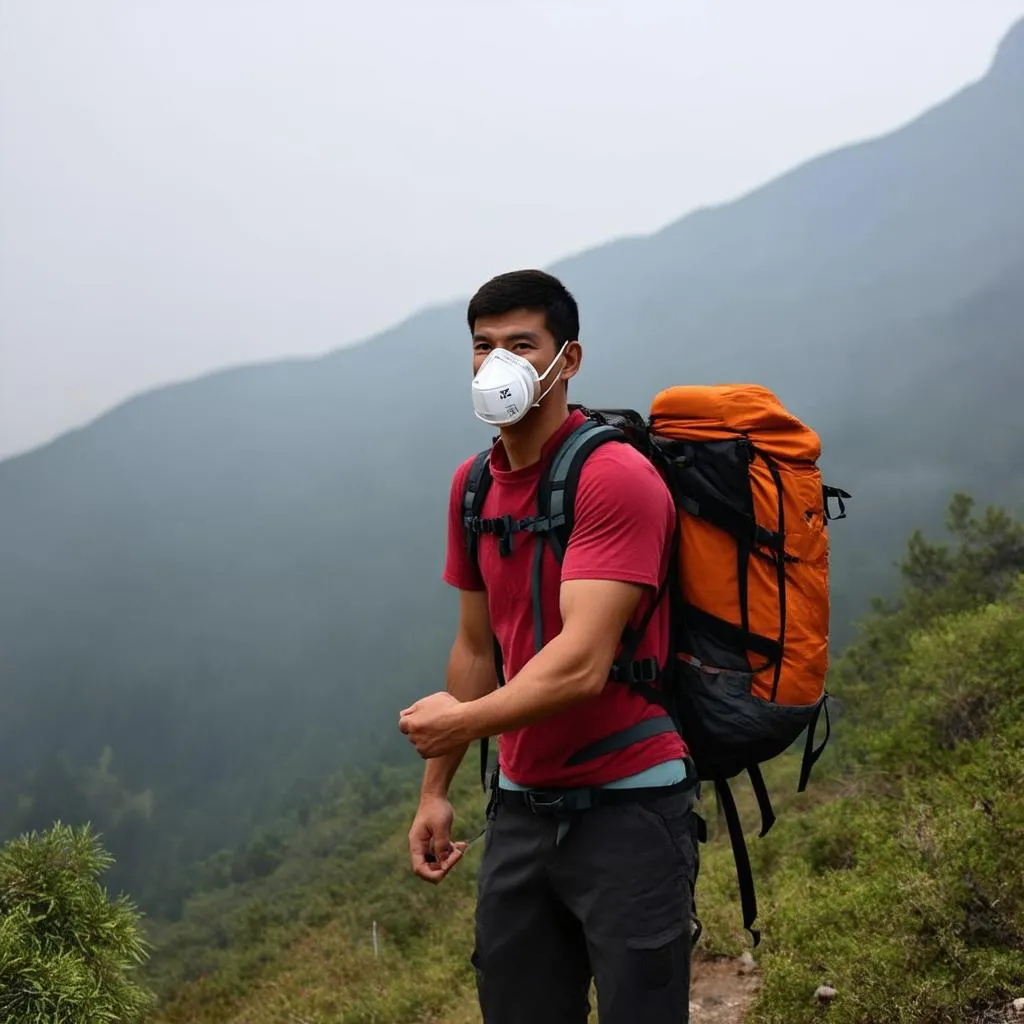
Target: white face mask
507 386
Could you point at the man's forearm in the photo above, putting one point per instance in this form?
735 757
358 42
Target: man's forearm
471 676
558 676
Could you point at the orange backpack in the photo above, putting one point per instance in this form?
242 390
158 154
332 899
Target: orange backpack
749 590
753 585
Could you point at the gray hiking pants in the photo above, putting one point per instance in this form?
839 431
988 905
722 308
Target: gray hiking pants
612 901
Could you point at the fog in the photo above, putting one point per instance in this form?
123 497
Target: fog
188 185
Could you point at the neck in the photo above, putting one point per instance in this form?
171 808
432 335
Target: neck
524 441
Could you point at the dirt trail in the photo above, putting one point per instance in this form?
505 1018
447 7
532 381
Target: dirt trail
722 990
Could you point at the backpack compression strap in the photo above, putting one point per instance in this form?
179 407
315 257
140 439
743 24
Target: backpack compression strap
744 875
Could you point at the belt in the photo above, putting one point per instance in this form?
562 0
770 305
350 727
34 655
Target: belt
558 803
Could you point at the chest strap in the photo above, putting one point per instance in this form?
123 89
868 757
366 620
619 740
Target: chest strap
503 527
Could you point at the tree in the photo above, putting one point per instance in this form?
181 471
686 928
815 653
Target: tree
67 951
987 558
978 565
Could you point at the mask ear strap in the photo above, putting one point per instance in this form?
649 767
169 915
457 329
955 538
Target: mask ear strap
554 361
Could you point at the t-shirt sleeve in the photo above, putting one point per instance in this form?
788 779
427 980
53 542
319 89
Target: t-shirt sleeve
459 569
624 520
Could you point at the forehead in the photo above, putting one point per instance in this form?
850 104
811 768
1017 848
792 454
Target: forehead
526 324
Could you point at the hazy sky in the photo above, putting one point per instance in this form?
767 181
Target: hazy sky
188 184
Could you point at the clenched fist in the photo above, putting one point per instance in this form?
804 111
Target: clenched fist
434 725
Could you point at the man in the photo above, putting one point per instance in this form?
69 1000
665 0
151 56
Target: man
603 892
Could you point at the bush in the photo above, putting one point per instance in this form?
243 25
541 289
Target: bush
67 951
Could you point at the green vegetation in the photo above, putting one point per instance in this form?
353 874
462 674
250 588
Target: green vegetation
67 953
896 878
907 892
300 940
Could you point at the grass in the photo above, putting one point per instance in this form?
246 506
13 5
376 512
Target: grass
906 892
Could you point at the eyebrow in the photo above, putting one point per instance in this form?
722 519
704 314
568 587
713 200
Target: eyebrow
518 336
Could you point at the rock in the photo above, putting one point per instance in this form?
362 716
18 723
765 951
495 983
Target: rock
1017 1007
825 994
747 964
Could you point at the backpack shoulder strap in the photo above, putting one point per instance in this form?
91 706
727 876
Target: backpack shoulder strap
556 497
478 483
556 493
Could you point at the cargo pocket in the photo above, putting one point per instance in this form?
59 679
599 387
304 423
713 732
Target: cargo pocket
674 815
657 957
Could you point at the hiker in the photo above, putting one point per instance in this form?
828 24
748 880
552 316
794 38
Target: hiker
589 861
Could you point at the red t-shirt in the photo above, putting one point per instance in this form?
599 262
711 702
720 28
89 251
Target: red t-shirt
623 527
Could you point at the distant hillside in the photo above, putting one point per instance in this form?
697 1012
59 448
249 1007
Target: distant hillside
234 584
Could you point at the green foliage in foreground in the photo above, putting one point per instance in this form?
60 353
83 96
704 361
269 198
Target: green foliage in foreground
67 952
907 892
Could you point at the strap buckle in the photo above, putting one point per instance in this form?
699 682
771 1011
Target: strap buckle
545 802
541 524
646 671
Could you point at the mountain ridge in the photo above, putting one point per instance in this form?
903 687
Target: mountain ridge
1007 62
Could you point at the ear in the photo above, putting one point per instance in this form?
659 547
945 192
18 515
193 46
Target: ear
572 358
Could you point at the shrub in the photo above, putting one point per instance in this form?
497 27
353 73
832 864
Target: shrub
67 951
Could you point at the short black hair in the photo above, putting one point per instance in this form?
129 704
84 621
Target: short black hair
528 289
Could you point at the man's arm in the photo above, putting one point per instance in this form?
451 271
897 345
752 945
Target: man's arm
471 676
619 549
571 667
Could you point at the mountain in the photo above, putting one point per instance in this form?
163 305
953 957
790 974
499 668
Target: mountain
224 589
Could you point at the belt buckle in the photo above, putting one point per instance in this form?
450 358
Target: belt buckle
544 801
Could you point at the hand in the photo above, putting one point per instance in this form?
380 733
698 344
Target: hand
430 837
434 725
